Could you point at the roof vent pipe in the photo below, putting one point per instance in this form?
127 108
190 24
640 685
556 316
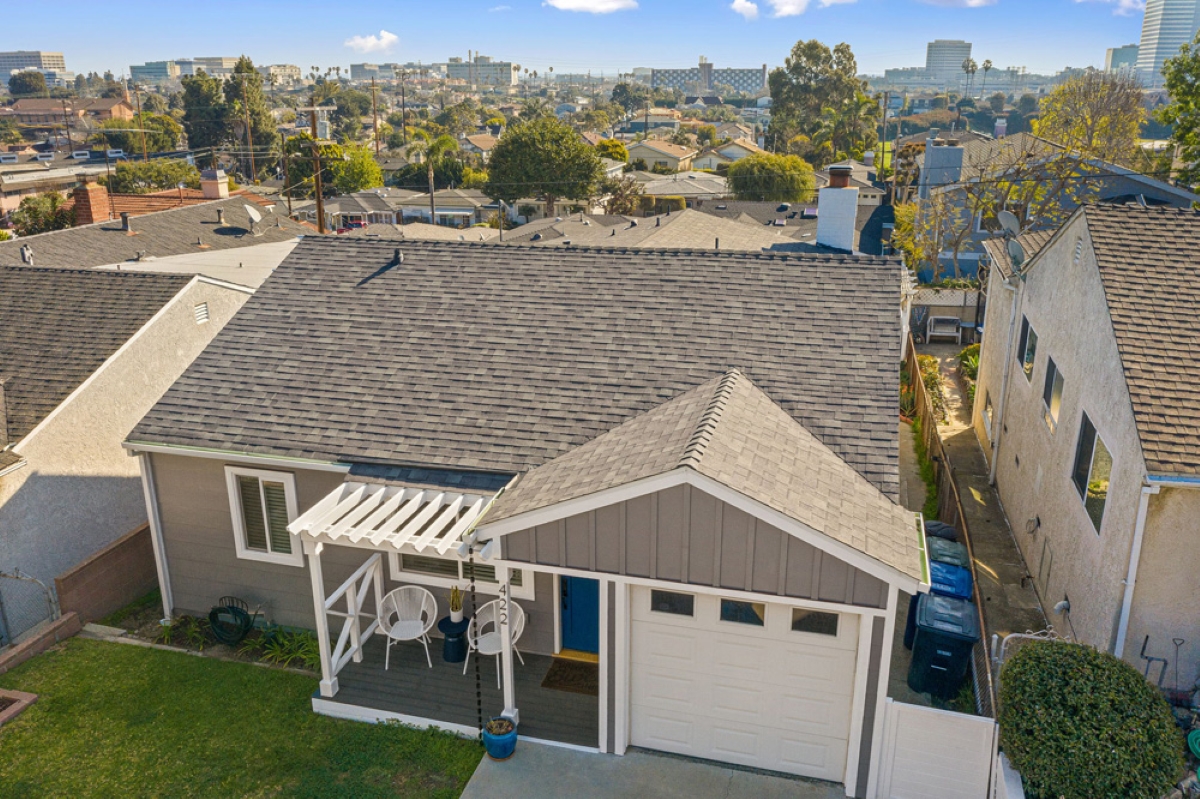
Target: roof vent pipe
220 216
125 222
26 255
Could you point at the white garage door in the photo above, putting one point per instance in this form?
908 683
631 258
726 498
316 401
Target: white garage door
760 685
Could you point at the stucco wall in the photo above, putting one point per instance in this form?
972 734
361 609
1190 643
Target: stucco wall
203 566
1167 594
992 353
81 490
1065 305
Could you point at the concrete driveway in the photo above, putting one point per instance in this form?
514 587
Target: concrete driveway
536 771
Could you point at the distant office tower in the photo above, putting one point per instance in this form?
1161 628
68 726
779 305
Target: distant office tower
944 59
154 72
1168 26
1121 59
40 60
482 71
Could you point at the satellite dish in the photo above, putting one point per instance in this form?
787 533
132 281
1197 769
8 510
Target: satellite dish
1016 252
254 214
1010 223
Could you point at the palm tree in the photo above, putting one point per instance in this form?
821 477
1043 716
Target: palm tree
434 151
987 67
969 66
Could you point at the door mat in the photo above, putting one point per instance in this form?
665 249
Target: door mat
574 677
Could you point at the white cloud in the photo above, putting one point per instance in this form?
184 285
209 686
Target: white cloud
791 8
372 44
746 8
961 3
592 6
1123 8
495 9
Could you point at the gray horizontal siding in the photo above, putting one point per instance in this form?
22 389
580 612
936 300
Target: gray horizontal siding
202 561
684 535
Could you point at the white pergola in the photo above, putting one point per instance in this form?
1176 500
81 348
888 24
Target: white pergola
387 518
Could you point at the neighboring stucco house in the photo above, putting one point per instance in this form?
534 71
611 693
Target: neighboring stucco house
83 356
675 157
453 207
1088 410
629 445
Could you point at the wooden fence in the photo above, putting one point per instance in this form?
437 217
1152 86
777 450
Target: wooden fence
950 511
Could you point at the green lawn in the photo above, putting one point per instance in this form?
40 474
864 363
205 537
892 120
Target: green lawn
125 721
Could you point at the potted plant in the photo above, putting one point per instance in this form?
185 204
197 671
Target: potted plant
456 607
500 738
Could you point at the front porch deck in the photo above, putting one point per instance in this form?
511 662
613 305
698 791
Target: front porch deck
443 693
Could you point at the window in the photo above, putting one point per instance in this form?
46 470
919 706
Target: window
814 621
988 413
1052 393
1027 348
671 602
1093 467
262 504
446 572
752 613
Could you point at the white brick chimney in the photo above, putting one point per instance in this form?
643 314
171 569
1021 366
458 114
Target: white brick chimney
837 211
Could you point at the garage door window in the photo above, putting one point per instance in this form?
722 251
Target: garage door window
752 613
814 621
671 602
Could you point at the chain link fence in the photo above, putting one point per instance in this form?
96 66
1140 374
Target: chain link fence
25 603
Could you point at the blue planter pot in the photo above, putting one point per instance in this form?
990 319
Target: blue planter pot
500 747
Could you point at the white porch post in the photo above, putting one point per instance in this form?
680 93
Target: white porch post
506 648
329 683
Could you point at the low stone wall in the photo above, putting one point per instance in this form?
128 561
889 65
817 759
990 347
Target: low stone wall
58 630
110 579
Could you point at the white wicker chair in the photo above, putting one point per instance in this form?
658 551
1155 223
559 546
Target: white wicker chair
487 641
407 614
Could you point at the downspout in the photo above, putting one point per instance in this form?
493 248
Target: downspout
156 538
998 425
1135 555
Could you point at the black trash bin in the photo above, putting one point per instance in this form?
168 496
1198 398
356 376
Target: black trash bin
947 629
945 580
940 530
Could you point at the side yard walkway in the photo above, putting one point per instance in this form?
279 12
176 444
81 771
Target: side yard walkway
1008 605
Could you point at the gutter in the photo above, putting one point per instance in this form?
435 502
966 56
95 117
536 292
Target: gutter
998 424
1135 556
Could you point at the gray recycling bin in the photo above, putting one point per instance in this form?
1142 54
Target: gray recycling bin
951 552
947 629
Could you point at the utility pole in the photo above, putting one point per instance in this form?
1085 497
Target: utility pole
887 96
316 151
375 115
67 127
287 173
141 123
403 111
249 135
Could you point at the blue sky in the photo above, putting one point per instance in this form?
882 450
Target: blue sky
572 35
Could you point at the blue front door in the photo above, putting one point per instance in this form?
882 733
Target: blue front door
580 614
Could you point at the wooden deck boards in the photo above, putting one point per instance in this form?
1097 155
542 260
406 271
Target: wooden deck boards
444 693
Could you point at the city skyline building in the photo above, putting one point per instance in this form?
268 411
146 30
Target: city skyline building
1167 26
944 59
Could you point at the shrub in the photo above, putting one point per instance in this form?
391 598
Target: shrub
968 362
1078 723
931 376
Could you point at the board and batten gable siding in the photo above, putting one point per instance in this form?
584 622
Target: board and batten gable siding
684 535
197 529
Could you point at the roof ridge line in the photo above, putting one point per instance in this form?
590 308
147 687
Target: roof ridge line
702 436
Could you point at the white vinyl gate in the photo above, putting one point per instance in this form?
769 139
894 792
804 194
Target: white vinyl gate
935 754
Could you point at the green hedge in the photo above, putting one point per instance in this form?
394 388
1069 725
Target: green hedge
1080 724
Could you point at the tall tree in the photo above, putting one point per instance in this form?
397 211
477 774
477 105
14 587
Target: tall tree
1097 114
357 171
434 152
542 157
987 67
769 177
244 97
42 213
204 111
302 165
352 106
27 84
1182 74
162 132
812 79
622 195
612 148
142 177
630 97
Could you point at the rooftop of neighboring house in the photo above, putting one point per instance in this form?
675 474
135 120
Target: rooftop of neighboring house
1031 241
664 147
59 326
482 141
463 198
796 223
40 105
591 137
351 351
370 200
141 204
423 231
687 229
560 227
191 229
682 184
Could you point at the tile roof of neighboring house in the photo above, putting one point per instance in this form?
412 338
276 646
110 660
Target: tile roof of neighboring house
40 105
483 141
160 234
730 430
664 147
468 356
741 144
1031 241
590 137
683 184
60 325
687 229
869 223
141 204
1145 256
472 198
423 231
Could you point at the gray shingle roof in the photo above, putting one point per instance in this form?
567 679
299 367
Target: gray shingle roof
1032 241
1145 256
172 232
730 430
467 356
60 325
